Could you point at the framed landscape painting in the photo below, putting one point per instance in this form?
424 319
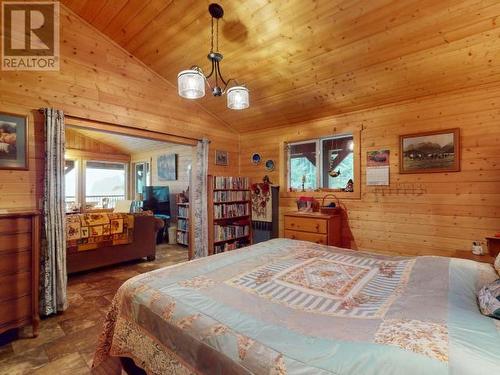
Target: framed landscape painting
13 141
436 151
167 167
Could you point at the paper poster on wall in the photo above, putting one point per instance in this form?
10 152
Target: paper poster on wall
377 167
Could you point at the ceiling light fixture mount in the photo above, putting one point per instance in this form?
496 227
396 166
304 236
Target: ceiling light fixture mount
191 83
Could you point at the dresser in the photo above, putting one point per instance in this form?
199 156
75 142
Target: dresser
314 227
19 269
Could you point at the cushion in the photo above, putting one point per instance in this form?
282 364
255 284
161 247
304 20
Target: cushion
497 263
489 299
123 206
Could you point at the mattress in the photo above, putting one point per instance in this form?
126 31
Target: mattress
294 307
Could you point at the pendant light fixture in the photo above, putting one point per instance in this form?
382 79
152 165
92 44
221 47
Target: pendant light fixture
191 83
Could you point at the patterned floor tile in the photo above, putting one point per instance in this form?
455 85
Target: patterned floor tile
67 341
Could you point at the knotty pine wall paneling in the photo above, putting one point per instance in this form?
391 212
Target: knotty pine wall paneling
446 212
100 81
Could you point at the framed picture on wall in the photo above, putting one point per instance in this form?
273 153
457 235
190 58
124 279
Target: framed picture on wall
435 151
167 167
13 141
221 158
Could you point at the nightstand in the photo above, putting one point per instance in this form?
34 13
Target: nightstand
315 227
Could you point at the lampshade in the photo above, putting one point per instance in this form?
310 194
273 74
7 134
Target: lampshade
238 97
191 84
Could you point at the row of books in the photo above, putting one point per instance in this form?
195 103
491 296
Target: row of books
183 238
182 211
231 196
223 211
221 182
227 246
182 224
228 232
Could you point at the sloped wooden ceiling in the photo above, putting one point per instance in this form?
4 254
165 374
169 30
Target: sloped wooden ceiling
307 59
125 144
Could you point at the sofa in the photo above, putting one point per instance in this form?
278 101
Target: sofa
143 245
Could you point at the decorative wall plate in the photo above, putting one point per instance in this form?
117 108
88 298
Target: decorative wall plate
256 159
270 165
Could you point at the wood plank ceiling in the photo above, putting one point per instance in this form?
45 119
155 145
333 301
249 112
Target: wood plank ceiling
126 144
304 60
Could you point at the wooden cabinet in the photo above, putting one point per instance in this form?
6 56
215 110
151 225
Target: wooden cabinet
493 246
320 228
19 270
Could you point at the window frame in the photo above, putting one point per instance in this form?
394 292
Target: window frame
77 182
289 160
320 152
83 186
134 175
284 178
82 157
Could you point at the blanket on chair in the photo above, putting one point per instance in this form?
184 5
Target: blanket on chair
94 230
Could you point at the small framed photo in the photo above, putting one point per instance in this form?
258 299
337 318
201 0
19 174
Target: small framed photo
436 151
221 158
13 141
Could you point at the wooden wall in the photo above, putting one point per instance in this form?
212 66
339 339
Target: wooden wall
100 81
454 208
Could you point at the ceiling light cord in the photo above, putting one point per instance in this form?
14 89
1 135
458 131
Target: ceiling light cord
216 34
212 37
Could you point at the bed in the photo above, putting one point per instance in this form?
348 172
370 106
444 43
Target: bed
293 307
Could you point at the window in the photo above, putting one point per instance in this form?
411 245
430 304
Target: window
71 183
302 164
105 183
325 163
141 177
337 162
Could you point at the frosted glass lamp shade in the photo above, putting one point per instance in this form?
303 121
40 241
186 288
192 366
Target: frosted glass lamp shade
191 84
238 97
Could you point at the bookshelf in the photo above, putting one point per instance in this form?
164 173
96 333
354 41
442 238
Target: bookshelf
229 213
182 222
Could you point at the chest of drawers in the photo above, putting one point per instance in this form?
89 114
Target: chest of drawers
19 270
320 228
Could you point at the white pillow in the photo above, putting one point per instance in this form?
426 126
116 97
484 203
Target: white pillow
497 263
123 207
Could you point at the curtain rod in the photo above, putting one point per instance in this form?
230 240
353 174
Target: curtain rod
41 110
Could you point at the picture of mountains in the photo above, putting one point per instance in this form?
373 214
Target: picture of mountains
429 153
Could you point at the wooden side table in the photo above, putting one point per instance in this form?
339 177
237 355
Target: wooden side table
493 245
315 227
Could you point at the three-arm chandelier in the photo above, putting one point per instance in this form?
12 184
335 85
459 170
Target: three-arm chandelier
191 83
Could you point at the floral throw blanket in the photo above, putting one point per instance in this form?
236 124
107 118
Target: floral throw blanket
94 230
292 307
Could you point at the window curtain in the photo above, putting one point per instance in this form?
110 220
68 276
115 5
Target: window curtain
199 201
53 297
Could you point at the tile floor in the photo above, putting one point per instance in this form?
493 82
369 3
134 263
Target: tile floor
67 341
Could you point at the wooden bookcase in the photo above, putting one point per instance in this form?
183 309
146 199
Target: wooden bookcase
229 210
183 223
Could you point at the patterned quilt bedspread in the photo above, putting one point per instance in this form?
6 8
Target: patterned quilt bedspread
292 307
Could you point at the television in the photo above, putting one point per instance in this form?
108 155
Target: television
157 199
